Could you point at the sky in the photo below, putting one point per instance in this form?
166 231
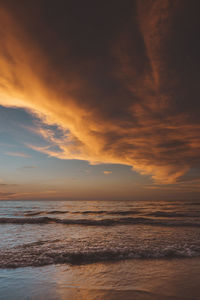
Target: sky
99 100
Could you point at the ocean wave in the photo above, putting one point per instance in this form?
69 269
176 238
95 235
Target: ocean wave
52 212
31 214
86 212
41 257
192 203
101 222
174 214
117 212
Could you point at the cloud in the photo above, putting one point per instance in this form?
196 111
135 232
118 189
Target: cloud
6 196
18 154
107 172
122 92
29 167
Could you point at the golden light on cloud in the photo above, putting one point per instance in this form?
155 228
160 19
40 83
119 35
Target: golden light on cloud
107 172
137 124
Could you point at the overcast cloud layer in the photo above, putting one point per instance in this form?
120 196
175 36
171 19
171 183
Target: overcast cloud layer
119 78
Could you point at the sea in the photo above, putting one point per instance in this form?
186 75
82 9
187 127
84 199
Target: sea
100 250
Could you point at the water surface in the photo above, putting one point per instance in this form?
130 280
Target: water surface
99 247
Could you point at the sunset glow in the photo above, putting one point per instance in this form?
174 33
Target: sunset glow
129 98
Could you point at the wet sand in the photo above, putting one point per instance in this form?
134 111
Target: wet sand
133 279
115 295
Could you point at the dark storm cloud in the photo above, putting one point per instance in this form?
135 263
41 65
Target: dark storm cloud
119 78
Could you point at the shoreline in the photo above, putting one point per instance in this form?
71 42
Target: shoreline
133 279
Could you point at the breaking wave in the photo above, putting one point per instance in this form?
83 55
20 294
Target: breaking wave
40 257
101 222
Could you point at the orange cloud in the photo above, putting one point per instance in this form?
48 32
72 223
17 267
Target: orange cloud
107 172
118 103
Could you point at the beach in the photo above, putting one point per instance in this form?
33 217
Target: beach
133 279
